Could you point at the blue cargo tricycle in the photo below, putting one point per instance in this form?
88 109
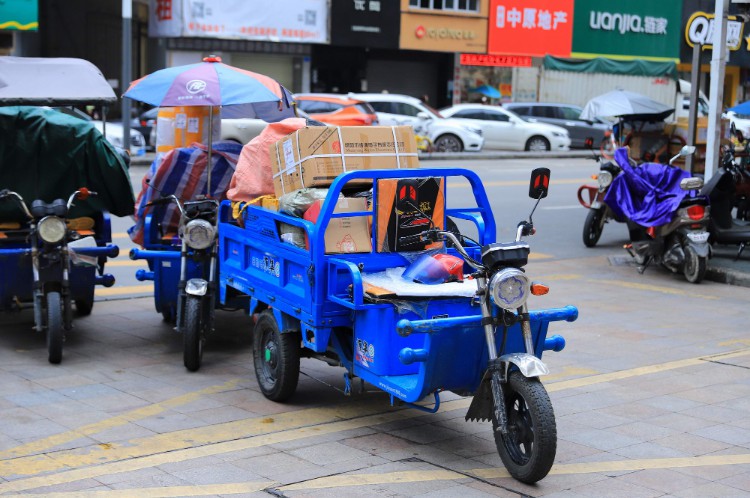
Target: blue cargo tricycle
338 308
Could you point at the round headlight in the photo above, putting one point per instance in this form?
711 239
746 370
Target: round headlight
604 178
199 234
509 288
51 229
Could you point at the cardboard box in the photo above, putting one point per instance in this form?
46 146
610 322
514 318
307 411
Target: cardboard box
348 234
315 155
408 206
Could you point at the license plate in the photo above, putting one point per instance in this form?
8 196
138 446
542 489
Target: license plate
698 237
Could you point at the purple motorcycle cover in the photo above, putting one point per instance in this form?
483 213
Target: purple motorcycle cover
648 194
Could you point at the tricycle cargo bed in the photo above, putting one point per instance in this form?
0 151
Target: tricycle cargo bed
319 289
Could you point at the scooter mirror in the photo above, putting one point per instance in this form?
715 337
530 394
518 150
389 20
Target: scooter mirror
588 143
539 184
685 151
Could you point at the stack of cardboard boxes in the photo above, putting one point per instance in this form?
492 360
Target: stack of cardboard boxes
314 156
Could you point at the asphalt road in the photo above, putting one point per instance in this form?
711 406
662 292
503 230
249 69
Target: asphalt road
650 394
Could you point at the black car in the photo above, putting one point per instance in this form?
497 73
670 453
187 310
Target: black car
565 115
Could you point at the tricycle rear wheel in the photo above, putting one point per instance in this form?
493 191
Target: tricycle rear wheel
528 449
192 334
54 328
276 358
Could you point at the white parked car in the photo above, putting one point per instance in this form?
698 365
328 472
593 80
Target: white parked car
114 134
503 129
447 135
114 131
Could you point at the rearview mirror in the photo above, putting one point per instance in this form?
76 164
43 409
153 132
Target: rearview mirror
685 151
539 184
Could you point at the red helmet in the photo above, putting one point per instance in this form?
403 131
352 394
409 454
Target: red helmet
435 269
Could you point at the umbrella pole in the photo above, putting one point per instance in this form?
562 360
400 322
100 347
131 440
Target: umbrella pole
210 146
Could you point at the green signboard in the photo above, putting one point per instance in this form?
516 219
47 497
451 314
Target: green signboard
20 15
627 29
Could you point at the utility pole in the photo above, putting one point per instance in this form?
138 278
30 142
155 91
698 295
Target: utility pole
716 93
127 41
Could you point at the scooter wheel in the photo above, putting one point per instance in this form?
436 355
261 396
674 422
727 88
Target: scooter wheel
593 227
694 268
528 449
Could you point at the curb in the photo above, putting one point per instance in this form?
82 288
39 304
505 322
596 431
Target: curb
727 276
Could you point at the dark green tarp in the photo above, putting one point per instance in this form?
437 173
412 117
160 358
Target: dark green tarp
609 66
48 155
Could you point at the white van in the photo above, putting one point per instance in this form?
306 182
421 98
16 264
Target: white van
682 103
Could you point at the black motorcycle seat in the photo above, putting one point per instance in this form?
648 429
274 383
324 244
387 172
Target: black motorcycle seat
694 201
39 208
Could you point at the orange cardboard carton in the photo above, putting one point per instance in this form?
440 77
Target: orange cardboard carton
408 206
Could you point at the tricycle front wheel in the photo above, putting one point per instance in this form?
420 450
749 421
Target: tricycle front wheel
276 357
54 328
528 449
192 335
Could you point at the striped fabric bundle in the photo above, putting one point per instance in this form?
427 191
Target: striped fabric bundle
182 172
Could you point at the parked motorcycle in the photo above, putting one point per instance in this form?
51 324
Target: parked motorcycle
721 190
741 174
666 225
599 213
62 262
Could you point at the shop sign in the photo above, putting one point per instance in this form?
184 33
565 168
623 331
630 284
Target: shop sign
530 27
19 15
700 30
698 27
443 33
495 60
365 23
628 29
278 21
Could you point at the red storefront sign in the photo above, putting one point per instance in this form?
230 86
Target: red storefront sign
495 60
531 27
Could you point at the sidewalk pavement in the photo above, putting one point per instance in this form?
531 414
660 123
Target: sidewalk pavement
723 266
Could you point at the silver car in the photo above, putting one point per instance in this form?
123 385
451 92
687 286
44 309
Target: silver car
564 115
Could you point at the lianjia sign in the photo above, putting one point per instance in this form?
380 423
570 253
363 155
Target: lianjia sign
627 29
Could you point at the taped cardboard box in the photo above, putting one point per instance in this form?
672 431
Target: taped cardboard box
349 234
408 206
314 156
